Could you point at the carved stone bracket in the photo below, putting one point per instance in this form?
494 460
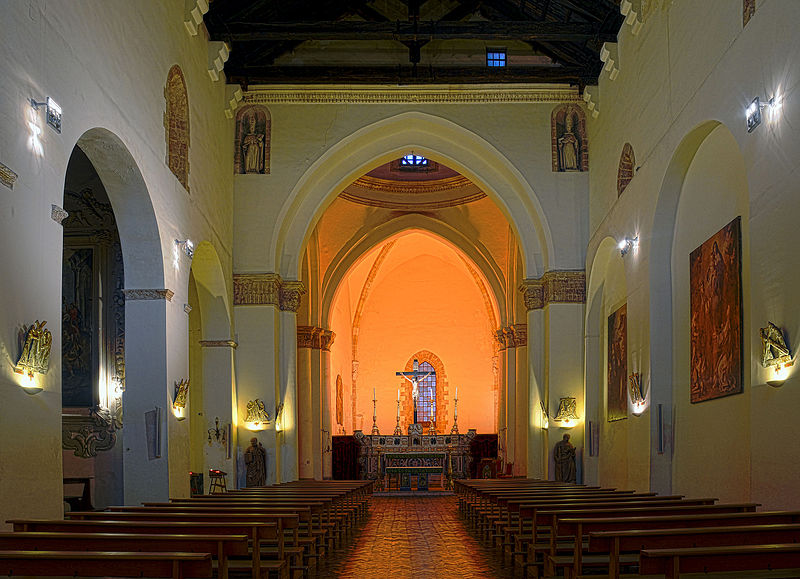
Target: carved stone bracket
566 287
148 294
290 293
86 435
58 214
257 289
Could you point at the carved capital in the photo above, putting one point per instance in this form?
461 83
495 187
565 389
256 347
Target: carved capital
7 176
259 289
148 294
513 336
58 214
219 344
555 287
326 340
290 293
308 337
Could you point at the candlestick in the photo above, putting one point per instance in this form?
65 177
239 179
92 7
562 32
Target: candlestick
374 413
454 430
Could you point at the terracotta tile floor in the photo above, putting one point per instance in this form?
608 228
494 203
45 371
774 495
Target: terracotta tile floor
415 537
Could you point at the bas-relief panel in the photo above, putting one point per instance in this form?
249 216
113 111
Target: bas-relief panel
627 162
77 319
176 122
569 144
617 399
715 282
339 400
252 146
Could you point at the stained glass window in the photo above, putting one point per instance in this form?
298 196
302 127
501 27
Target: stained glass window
413 161
426 402
495 58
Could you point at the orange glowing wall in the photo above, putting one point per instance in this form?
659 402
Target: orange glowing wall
423 296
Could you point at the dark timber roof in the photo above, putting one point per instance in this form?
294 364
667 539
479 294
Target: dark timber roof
412 41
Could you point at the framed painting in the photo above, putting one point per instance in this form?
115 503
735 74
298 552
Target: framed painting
617 392
715 281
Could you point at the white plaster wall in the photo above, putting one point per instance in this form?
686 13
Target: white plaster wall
105 63
666 88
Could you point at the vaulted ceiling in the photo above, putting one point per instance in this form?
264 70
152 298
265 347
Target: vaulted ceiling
413 41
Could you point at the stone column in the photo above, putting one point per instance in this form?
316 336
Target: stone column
307 344
255 298
326 429
288 439
145 459
521 409
219 402
510 370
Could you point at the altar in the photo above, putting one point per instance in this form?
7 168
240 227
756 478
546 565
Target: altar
414 460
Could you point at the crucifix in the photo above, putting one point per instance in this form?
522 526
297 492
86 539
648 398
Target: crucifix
415 377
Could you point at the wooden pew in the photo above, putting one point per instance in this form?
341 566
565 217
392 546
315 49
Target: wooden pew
221 546
104 564
674 562
257 532
614 543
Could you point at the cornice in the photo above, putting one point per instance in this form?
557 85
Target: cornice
444 94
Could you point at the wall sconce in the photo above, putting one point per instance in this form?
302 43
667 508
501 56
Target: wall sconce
637 396
775 353
567 412
35 356
179 401
753 111
217 434
257 417
186 246
279 417
627 244
545 416
53 112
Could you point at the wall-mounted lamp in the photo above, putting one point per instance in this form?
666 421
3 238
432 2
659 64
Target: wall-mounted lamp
179 401
637 396
545 416
753 112
35 356
53 114
775 352
567 412
187 246
217 434
279 417
257 417
627 244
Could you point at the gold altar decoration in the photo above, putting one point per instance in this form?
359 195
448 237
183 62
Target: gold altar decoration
257 417
35 355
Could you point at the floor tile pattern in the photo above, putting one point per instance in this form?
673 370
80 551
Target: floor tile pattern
415 537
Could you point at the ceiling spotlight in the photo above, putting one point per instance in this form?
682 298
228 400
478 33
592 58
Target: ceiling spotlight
753 111
53 113
187 246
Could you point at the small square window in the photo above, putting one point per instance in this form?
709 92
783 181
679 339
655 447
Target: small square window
495 57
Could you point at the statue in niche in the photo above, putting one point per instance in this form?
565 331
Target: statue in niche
255 457
568 147
564 456
252 140
568 126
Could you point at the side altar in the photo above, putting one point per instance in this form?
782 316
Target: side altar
414 458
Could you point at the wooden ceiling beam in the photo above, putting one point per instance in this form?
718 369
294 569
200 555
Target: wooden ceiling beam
405 75
525 31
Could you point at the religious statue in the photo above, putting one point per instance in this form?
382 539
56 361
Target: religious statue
253 148
255 457
35 355
415 377
564 456
568 147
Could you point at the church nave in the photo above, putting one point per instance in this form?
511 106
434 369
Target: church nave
419 537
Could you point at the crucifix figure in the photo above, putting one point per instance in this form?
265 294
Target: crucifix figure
415 377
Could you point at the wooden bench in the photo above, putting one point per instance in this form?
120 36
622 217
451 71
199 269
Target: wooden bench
105 564
221 546
674 562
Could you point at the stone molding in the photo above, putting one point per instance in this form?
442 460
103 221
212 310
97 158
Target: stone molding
256 289
314 338
555 287
219 344
513 336
58 214
148 294
289 295
7 176
411 95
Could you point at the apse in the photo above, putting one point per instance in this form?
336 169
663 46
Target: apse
413 296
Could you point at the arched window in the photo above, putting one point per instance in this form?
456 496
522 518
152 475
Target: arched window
426 401
177 124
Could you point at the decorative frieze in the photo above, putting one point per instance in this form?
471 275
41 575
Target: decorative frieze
495 94
565 287
7 176
513 336
148 294
289 296
314 338
256 289
219 344
58 214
